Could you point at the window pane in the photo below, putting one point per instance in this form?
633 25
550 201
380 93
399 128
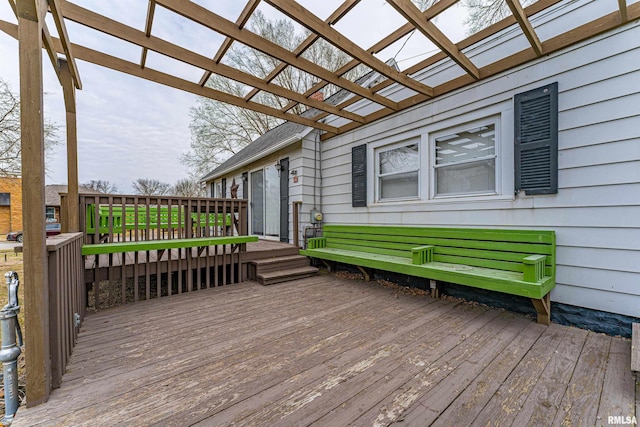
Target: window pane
473 177
399 159
399 186
468 145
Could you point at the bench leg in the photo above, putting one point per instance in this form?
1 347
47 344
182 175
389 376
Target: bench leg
543 308
365 273
436 289
328 264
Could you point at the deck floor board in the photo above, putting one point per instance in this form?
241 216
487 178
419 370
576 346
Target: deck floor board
330 351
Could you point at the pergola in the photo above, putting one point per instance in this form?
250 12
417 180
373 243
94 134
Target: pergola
33 35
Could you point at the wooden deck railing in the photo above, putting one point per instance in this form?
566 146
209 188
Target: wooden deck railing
66 299
118 278
112 218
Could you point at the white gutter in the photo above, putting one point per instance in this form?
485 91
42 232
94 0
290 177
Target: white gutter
279 146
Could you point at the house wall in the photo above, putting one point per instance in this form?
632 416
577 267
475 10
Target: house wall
301 159
596 212
11 216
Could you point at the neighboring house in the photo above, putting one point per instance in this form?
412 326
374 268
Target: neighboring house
464 159
10 204
52 200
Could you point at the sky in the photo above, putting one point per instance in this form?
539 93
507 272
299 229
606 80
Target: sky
130 128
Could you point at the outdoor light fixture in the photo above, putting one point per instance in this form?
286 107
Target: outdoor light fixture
279 167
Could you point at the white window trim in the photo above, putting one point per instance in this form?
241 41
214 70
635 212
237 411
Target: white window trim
496 120
375 175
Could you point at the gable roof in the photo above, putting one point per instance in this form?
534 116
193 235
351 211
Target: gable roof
286 133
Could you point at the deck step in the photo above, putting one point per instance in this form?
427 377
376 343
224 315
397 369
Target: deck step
279 276
280 263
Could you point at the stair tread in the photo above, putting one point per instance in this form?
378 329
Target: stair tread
287 272
276 260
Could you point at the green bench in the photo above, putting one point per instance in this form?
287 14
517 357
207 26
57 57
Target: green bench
114 219
516 262
161 245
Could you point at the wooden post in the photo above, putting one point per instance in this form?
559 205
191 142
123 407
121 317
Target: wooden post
36 290
69 90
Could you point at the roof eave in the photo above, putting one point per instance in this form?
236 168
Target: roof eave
274 148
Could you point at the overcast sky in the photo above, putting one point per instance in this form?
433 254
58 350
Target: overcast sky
130 128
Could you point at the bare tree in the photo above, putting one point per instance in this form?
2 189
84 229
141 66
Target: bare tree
483 13
220 130
424 4
188 188
150 187
10 143
101 186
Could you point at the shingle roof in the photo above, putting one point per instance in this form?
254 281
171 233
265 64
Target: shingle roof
52 193
283 131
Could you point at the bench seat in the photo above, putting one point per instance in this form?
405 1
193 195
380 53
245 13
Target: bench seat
510 282
150 245
516 262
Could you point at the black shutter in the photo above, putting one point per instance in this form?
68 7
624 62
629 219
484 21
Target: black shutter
359 176
284 200
224 188
536 140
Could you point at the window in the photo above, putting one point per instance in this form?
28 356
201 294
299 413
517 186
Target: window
218 190
50 214
397 172
465 160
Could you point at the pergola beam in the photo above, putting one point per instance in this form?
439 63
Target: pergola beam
51 53
622 6
72 219
412 14
525 25
66 42
134 36
12 4
126 67
297 12
226 44
117 64
147 30
432 12
46 40
561 41
306 43
217 23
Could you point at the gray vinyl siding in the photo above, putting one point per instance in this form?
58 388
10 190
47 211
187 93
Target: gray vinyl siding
596 213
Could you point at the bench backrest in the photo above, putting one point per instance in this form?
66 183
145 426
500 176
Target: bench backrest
492 248
153 217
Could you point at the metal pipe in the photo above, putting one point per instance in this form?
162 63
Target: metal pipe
11 343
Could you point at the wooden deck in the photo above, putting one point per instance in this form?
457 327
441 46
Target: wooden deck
328 351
